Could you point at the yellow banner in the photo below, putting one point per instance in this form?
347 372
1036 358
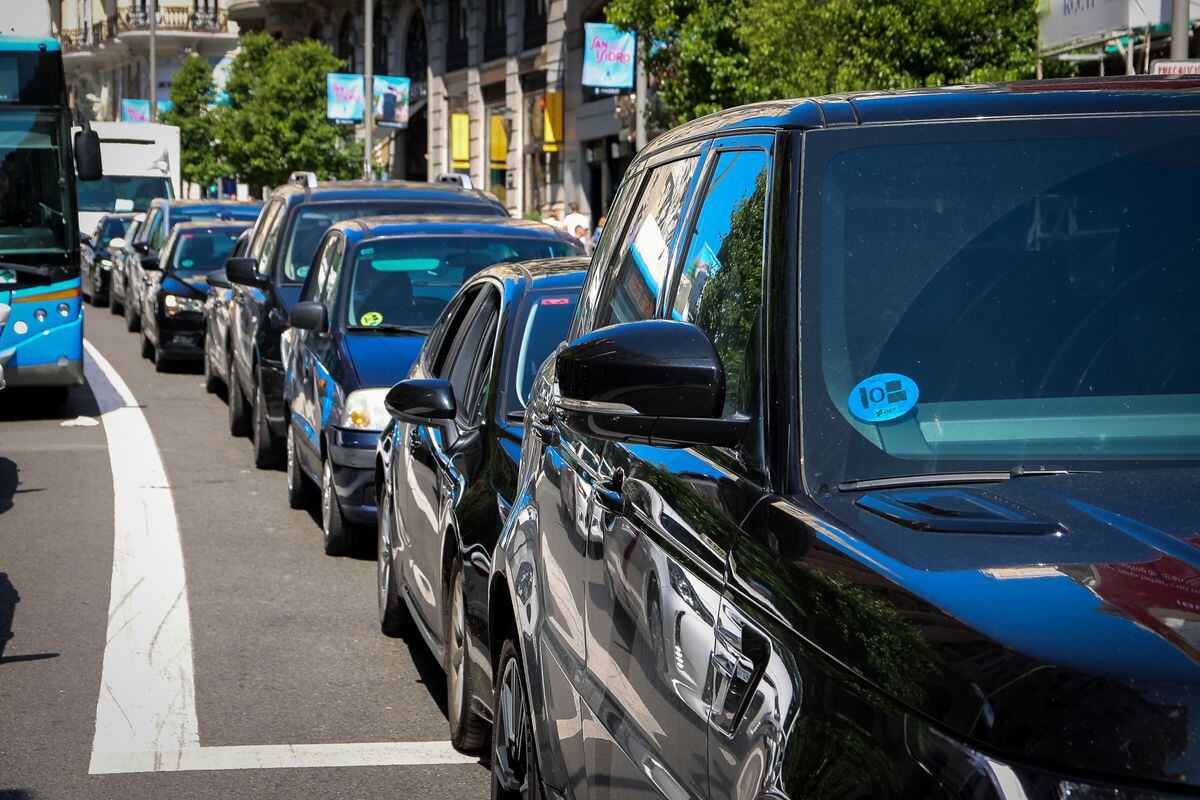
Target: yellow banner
498 150
460 140
553 129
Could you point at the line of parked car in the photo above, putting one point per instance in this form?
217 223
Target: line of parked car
859 461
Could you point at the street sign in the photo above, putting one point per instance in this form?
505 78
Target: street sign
608 57
135 110
1166 67
344 97
391 100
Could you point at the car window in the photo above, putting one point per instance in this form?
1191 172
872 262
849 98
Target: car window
472 347
158 233
631 287
271 243
332 267
196 251
540 330
442 337
144 231
602 257
720 281
266 222
313 287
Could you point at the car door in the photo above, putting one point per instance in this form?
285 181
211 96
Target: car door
133 264
432 450
302 382
324 371
249 301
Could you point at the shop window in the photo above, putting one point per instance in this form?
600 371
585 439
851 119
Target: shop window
497 150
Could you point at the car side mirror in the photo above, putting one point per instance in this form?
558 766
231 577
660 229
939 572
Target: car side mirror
654 382
309 316
85 239
421 400
116 243
141 248
150 263
89 166
217 279
243 271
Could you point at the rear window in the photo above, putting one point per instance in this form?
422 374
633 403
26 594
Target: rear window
543 326
204 250
203 213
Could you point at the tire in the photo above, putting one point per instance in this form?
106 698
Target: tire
85 292
468 731
267 453
161 362
94 296
299 490
115 306
514 755
333 526
239 413
394 619
148 349
132 321
212 384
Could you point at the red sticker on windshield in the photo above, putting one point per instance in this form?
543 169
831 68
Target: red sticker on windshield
556 301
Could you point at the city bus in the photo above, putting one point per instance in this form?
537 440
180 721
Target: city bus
42 344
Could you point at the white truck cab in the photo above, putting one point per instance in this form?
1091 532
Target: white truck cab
141 162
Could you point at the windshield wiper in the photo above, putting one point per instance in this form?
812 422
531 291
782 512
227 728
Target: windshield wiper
951 478
389 329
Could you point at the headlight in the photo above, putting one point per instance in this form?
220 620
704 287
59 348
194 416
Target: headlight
365 411
106 263
969 775
175 304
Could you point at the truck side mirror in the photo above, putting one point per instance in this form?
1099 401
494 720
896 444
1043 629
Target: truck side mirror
89 165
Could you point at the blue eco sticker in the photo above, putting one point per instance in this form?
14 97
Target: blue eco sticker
883 397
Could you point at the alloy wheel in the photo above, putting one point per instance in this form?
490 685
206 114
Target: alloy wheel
456 648
383 566
510 764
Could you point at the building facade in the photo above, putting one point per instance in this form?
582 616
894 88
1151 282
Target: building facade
106 47
496 92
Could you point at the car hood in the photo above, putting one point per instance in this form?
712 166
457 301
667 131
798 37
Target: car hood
1080 648
187 285
381 359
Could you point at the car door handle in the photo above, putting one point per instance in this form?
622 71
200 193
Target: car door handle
278 318
609 496
544 430
414 439
739 660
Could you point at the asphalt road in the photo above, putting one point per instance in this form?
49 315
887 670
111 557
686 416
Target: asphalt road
284 642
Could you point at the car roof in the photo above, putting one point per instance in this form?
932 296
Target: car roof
1056 98
239 224
444 224
184 202
548 274
399 190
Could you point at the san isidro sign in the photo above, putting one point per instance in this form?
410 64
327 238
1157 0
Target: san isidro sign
609 58
1065 22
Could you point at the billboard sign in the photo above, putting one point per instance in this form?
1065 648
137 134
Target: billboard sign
391 100
135 110
609 57
1165 67
344 97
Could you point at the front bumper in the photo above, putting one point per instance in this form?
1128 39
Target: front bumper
46 353
352 454
181 336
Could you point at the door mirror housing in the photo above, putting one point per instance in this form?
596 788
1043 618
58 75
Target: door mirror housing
653 382
243 271
141 248
116 243
217 279
89 166
150 263
421 400
309 316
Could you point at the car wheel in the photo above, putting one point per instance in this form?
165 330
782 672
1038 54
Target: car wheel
514 759
266 449
147 348
96 297
393 614
468 732
86 291
332 524
115 306
131 319
298 489
239 414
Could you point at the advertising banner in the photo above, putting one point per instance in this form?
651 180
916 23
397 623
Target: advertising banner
344 97
135 110
391 100
609 57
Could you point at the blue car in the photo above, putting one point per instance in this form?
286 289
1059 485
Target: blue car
375 288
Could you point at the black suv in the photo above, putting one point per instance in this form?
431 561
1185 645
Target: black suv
870 466
268 280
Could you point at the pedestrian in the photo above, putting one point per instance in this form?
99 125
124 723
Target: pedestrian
552 220
581 234
576 220
596 234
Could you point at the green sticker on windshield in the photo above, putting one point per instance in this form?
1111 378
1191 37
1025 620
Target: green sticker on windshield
187 262
371 318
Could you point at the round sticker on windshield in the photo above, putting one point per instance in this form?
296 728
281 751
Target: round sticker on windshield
883 397
371 318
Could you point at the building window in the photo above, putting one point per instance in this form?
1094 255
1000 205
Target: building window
456 35
381 35
495 31
534 24
345 48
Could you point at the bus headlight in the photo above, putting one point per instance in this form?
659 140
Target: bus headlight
365 411
63 309
40 315
176 304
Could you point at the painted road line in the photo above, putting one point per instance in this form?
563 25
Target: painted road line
146 709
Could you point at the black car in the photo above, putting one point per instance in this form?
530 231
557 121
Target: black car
217 305
447 469
870 466
96 260
376 288
269 279
162 216
173 299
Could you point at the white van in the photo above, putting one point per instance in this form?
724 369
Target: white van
141 162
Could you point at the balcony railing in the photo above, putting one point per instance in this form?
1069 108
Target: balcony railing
170 18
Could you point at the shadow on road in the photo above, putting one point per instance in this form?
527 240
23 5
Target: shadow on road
430 671
8 483
16 794
21 405
8 608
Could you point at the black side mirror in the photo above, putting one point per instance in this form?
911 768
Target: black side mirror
652 382
89 166
85 239
217 279
141 248
244 272
150 263
309 316
420 400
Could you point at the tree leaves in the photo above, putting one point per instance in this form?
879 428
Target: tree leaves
192 93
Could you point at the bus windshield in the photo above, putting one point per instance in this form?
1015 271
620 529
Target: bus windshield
122 192
33 194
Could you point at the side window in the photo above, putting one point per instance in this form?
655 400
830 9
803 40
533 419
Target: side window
270 242
314 288
331 266
469 350
445 331
147 227
631 285
612 232
159 232
265 220
720 284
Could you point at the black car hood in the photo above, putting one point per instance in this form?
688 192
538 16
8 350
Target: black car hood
1080 649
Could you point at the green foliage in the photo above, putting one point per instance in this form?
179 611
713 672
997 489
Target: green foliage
275 122
192 93
720 53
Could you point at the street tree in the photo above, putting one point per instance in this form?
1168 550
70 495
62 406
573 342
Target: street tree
192 94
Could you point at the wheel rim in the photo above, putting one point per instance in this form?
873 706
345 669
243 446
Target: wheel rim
383 571
326 497
457 650
512 732
291 461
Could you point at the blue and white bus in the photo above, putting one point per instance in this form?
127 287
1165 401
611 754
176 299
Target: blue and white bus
42 343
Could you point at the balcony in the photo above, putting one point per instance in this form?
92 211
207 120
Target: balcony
171 20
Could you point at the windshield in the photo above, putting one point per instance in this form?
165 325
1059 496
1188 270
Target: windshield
544 326
408 281
110 228
202 250
311 221
122 192
985 295
33 184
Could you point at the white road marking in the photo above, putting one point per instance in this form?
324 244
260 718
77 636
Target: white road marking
146 710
